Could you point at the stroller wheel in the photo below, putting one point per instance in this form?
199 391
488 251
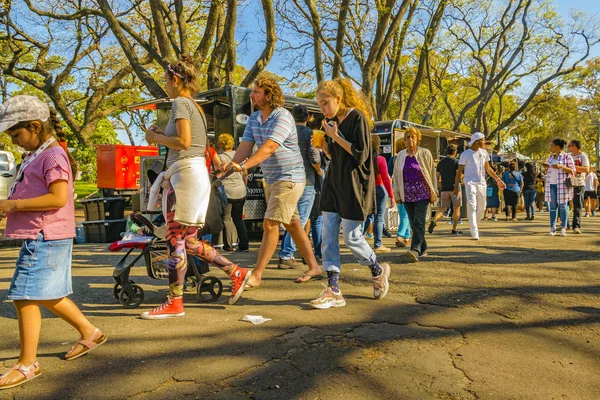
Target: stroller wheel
116 290
131 296
210 289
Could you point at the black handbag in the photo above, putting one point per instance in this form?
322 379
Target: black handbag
570 181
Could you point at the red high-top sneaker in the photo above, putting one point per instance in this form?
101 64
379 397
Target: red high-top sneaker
239 277
173 307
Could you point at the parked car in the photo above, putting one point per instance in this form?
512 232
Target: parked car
8 172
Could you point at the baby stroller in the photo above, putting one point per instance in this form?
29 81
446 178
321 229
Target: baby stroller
153 248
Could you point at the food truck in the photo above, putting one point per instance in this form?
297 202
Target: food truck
434 139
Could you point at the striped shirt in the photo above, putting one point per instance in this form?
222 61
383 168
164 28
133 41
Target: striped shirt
286 163
564 194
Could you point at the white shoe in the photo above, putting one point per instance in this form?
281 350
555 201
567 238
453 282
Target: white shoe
563 232
381 283
327 299
552 232
474 237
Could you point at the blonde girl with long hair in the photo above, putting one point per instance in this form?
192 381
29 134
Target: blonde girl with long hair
349 189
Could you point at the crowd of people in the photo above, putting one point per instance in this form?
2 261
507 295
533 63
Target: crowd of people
338 183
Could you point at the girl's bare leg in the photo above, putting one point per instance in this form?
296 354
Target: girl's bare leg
30 323
69 312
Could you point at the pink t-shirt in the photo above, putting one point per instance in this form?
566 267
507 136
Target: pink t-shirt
51 165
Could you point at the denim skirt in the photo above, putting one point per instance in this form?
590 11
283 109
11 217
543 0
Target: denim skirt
43 270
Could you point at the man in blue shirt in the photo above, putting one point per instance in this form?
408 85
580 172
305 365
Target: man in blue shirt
312 160
273 130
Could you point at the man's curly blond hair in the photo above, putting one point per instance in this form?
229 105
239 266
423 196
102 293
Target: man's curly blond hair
270 86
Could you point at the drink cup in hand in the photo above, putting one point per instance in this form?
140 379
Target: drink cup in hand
318 138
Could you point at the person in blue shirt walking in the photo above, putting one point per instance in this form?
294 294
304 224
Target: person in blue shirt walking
514 184
273 130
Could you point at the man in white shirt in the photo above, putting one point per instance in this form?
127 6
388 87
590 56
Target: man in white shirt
582 167
590 195
474 162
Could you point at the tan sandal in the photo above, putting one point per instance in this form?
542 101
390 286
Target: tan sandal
88 345
29 373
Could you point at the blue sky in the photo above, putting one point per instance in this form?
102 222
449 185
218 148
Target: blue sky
590 7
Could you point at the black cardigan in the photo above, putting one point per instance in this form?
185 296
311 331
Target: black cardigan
349 187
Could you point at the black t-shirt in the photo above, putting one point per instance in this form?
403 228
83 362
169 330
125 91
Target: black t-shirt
447 169
529 181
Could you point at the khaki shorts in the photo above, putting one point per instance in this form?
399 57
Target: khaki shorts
282 201
447 198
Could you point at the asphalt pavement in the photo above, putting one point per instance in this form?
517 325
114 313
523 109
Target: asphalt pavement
515 315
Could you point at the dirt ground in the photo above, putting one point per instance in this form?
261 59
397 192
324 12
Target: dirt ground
515 315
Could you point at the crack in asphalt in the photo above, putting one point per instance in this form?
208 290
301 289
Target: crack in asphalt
293 343
453 354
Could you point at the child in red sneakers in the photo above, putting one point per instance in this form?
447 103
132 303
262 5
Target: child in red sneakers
41 212
187 187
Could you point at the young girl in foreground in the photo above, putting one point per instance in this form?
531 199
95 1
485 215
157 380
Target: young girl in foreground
40 211
348 194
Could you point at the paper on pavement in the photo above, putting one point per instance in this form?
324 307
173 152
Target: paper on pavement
255 319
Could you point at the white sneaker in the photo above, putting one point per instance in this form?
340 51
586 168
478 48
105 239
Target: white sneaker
475 236
381 283
552 232
563 232
327 299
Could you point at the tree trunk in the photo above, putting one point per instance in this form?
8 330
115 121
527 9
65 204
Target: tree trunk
394 62
213 73
184 42
430 34
339 40
267 53
162 37
209 31
317 45
229 41
381 41
224 49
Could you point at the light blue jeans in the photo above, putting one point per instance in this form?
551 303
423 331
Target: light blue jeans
563 209
288 247
353 238
403 222
377 217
